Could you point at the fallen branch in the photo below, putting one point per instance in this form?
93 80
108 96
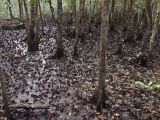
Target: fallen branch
13 27
29 107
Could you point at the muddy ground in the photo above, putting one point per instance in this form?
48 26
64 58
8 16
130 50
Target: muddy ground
66 85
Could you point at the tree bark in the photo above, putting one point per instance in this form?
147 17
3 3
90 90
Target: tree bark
41 16
149 13
100 95
124 15
51 9
26 10
111 13
32 33
59 48
73 9
79 29
20 9
154 30
10 9
147 35
129 36
123 29
5 98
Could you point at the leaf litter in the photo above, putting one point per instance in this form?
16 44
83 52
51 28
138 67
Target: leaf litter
66 85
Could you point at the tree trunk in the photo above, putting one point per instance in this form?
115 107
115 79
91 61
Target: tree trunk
129 36
74 14
59 49
20 9
79 29
123 29
147 35
154 30
124 15
100 95
10 9
5 99
149 14
41 16
73 9
111 14
51 9
32 33
26 10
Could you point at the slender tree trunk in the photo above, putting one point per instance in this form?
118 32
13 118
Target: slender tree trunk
100 95
59 49
81 20
149 13
112 9
90 17
26 10
129 36
52 10
32 34
74 11
26 19
5 98
154 30
123 29
79 29
37 24
124 15
74 14
10 9
111 14
147 35
41 16
20 3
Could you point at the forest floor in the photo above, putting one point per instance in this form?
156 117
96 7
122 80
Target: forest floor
66 85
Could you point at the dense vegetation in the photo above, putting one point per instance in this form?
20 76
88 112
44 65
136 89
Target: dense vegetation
80 59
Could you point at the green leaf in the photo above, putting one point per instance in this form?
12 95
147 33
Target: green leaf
154 86
150 85
141 84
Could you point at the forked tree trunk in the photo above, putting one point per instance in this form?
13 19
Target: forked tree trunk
100 95
79 28
154 30
59 48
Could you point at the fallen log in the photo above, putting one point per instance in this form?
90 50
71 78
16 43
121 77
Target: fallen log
13 27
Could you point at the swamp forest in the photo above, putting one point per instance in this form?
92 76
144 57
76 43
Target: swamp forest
79 60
